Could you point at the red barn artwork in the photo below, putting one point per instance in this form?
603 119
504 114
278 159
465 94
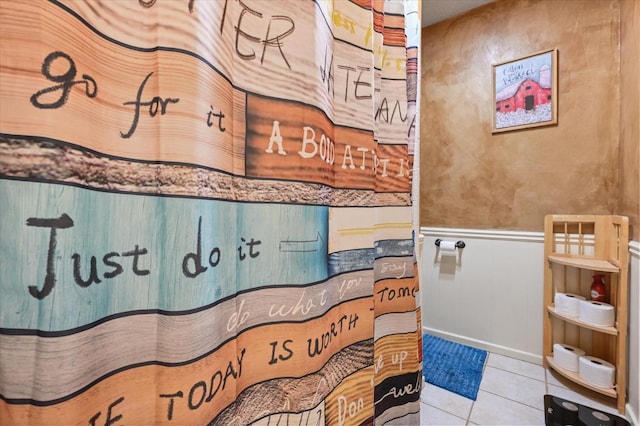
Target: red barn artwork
525 95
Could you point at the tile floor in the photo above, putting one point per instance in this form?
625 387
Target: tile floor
511 393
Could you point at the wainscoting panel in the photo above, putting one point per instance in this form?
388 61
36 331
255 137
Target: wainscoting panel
490 294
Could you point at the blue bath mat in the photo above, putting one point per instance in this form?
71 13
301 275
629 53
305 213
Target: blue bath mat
452 366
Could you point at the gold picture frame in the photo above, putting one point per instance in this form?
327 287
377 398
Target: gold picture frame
525 92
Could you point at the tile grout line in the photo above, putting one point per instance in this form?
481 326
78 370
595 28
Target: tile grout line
470 411
484 368
513 400
519 374
444 411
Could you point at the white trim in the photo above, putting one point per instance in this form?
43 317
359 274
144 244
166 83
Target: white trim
480 344
630 415
492 234
487 234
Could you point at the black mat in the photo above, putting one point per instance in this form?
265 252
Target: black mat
560 412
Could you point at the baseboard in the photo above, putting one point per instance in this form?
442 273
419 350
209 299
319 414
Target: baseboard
490 347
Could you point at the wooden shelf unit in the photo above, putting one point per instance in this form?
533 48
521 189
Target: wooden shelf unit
576 247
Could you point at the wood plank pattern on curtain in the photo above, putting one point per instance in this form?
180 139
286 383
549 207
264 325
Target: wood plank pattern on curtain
206 213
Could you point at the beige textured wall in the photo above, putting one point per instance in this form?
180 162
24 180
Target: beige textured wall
630 114
471 178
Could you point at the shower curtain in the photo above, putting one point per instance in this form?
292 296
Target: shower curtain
206 212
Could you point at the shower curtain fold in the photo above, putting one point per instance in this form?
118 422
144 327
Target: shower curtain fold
207 212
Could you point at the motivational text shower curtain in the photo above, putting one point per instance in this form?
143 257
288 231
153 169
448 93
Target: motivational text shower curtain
206 212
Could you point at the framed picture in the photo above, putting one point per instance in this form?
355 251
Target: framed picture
525 92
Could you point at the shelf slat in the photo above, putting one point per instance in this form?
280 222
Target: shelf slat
575 377
579 262
573 320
